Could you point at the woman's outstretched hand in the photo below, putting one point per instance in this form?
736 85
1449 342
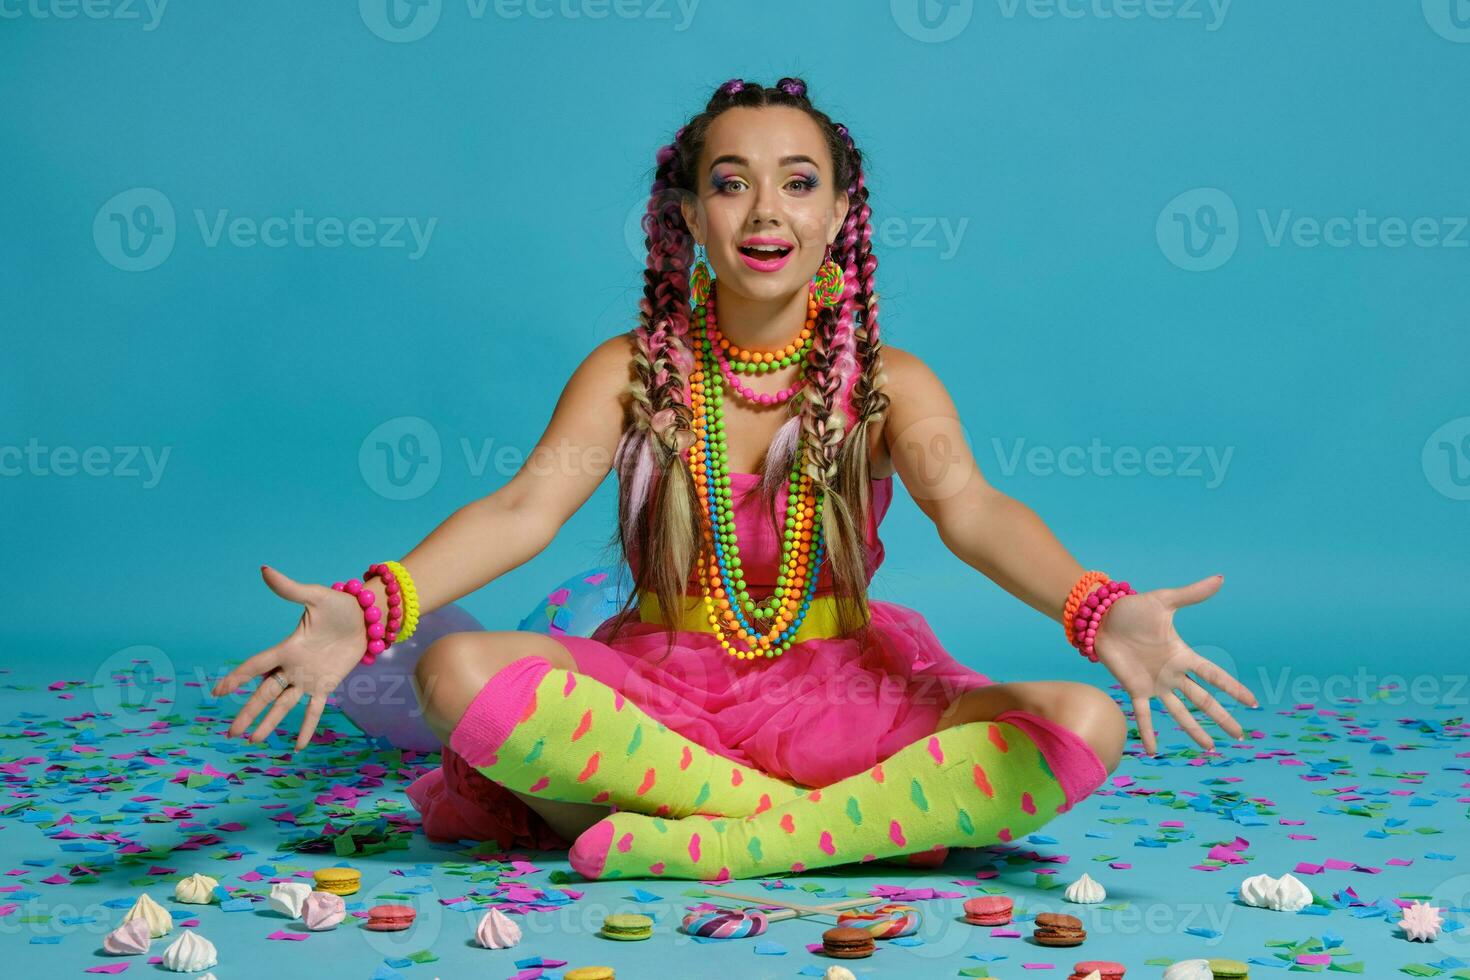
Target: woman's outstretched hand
326 644
1138 643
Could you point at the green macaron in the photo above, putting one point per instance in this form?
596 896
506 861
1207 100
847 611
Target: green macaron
1229 970
627 925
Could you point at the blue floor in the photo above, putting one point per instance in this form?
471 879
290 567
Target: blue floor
99 809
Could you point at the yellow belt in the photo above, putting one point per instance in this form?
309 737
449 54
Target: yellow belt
820 622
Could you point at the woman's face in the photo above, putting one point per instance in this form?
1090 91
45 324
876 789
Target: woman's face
765 174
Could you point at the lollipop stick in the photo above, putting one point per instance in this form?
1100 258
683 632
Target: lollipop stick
832 909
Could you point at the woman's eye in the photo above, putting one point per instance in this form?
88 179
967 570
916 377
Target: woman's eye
800 183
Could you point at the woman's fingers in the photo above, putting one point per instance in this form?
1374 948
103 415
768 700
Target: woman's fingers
1186 721
267 690
1206 703
279 710
263 661
1143 715
309 722
1216 676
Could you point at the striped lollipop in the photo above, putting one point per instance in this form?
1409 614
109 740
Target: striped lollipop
883 922
726 923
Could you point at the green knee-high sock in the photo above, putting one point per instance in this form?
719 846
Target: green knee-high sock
555 734
968 785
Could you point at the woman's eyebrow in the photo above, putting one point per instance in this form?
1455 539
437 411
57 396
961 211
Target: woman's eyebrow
742 162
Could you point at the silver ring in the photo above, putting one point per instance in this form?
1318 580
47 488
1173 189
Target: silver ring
281 680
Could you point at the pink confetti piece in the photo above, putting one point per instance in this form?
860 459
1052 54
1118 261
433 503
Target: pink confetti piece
110 968
1004 934
294 937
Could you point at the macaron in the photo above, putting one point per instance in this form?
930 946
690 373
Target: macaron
988 910
1058 929
589 973
389 918
627 925
338 881
1107 970
1229 970
845 942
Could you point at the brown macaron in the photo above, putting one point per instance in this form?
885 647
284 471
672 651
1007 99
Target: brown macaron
1058 929
845 942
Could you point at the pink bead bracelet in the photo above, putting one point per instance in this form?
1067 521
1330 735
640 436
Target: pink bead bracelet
1090 615
380 636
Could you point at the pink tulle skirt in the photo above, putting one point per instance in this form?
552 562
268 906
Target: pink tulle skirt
823 710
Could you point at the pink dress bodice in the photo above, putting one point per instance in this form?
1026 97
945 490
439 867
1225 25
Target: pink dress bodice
760 547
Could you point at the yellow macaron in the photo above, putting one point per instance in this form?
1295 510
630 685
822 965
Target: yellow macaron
338 881
590 973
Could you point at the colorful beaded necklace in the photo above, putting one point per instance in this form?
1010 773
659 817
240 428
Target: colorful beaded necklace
762 628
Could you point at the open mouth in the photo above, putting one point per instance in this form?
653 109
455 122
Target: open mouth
764 253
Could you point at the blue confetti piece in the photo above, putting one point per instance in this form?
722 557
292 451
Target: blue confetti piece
766 948
986 957
1041 839
399 962
386 972
905 941
45 940
1202 932
77 920
235 905
639 895
1262 961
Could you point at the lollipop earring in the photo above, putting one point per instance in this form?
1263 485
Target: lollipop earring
829 285
699 281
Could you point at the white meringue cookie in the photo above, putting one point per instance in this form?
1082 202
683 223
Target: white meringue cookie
286 897
1085 891
323 910
190 953
838 973
128 939
206 976
196 889
1189 970
1284 894
497 930
160 923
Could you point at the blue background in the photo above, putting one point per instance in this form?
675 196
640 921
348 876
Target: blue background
1056 144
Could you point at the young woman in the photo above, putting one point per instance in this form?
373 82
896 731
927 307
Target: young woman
750 710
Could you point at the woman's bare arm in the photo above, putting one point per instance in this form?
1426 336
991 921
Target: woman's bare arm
991 532
488 537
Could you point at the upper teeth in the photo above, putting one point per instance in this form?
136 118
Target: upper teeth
766 248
